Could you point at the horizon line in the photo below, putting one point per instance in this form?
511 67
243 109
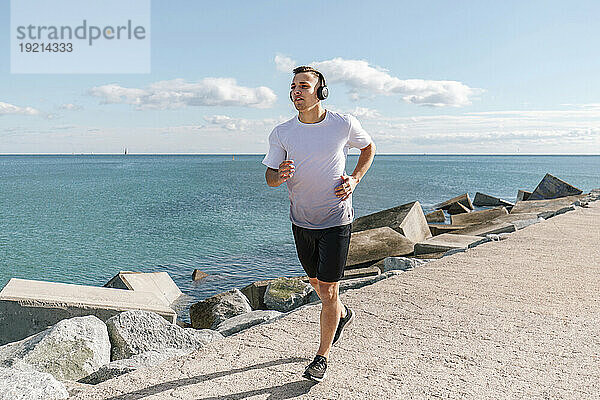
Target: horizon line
262 154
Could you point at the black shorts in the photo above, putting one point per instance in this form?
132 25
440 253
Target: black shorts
323 252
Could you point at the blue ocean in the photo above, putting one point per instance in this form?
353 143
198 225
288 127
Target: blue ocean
83 218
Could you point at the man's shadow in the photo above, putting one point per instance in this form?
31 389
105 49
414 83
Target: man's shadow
280 392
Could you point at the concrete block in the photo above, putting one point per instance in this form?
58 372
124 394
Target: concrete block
28 307
487 228
477 217
407 219
550 187
197 275
375 244
448 241
482 199
361 272
542 207
154 282
436 216
463 199
255 292
457 208
438 229
523 195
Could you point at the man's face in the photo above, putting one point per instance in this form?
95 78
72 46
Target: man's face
304 91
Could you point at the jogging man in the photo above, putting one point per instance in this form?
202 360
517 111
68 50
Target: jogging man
308 152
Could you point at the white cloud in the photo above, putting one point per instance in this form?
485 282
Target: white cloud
70 107
358 112
284 63
364 80
9 109
242 124
178 93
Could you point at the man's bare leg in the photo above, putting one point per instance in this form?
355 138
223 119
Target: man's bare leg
331 312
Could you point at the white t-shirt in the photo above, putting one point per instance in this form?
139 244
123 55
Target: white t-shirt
319 153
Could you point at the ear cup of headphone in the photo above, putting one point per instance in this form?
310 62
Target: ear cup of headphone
322 92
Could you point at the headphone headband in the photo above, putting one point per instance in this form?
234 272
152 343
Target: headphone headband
322 90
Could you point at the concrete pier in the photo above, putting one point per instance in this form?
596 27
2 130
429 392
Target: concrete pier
28 307
512 319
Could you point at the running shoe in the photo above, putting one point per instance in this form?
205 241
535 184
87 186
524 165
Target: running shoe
316 369
344 322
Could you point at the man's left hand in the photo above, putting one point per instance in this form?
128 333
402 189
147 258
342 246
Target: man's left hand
347 187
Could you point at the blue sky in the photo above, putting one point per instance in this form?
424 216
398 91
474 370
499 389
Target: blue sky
422 77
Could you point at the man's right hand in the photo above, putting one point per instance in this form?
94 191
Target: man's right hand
286 169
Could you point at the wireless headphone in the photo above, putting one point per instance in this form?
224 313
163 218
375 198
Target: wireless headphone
322 91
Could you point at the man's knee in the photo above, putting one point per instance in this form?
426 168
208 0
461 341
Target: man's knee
328 291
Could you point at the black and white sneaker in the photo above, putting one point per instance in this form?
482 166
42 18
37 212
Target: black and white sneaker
316 369
344 322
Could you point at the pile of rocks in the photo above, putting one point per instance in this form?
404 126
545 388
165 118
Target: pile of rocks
87 350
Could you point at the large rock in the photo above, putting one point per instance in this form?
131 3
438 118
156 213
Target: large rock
245 321
29 384
28 307
402 263
477 217
136 332
482 199
463 199
407 219
255 292
121 367
209 313
436 216
523 195
550 187
376 244
70 350
448 241
285 294
544 208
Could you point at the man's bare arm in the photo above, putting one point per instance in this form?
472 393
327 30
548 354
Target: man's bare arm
362 166
364 161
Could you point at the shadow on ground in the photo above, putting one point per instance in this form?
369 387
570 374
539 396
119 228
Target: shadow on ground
280 392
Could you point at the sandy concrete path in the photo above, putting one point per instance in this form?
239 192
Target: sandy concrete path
518 318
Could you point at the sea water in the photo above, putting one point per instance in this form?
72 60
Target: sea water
82 219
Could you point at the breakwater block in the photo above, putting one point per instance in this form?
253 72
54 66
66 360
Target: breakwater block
457 208
448 241
28 307
544 208
463 199
523 195
154 282
376 244
487 228
197 275
438 229
550 187
482 199
361 272
477 217
255 292
436 216
407 219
